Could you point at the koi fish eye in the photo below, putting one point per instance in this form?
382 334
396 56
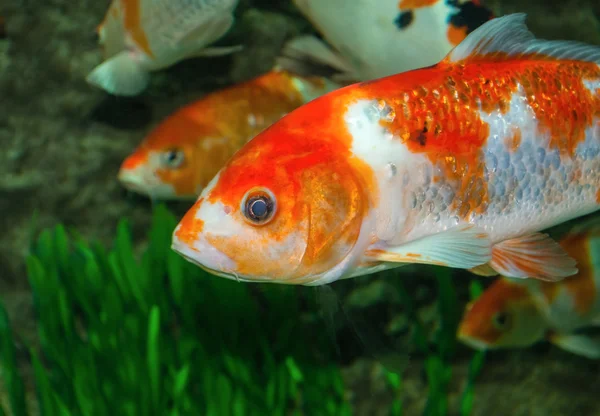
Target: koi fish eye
258 206
172 158
501 321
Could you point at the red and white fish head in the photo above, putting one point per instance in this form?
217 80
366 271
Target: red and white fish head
505 315
139 36
176 160
289 207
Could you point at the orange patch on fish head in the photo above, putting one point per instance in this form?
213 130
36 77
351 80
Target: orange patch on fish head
134 171
287 208
415 4
503 316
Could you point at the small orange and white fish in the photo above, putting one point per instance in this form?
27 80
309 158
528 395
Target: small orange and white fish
184 152
140 36
460 164
377 38
519 313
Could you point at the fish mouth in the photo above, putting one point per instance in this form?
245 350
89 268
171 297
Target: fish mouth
212 263
473 342
132 181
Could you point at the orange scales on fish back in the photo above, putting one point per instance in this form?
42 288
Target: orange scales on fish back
438 113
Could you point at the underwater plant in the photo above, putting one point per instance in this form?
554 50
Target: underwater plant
438 349
159 337
153 334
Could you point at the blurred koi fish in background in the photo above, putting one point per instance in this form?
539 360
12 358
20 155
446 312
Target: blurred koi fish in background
183 153
140 36
519 313
460 164
376 38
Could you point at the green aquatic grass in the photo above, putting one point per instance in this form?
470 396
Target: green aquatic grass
438 353
155 335
12 380
468 395
148 333
438 364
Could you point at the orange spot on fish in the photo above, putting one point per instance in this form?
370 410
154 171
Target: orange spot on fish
135 160
132 23
513 143
190 227
598 196
413 255
456 34
415 4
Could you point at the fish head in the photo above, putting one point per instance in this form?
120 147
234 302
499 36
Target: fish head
287 208
504 316
176 160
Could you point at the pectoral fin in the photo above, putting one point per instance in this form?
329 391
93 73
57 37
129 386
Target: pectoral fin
120 75
577 344
534 256
218 51
484 270
462 247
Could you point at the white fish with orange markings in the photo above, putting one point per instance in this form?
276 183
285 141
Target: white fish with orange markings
141 36
519 313
185 151
461 164
374 38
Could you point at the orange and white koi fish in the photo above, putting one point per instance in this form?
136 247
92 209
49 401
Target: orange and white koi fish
140 36
183 153
377 38
460 164
519 313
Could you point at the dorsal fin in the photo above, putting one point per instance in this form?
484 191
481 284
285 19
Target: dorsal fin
508 37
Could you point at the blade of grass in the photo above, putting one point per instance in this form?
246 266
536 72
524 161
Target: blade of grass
10 370
153 349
